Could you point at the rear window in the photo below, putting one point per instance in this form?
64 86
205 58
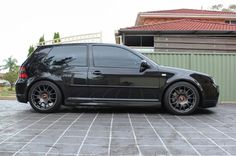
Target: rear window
38 55
75 55
43 50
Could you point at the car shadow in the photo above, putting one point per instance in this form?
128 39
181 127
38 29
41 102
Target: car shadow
203 111
125 109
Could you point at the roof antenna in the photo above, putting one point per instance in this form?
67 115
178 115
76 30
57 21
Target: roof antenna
201 7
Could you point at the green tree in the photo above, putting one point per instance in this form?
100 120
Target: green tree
217 7
31 50
56 38
41 40
232 7
11 76
220 7
10 63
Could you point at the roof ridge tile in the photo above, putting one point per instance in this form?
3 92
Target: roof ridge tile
190 11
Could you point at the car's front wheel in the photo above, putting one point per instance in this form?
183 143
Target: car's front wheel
45 97
181 98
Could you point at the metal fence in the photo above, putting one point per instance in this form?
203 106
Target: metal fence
222 66
82 38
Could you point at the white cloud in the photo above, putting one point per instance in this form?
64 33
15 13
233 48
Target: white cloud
24 21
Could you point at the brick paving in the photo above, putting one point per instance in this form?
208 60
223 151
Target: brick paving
116 131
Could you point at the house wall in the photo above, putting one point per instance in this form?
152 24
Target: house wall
194 43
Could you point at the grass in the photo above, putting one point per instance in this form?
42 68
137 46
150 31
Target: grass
7 92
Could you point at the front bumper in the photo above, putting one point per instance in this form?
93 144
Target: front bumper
211 97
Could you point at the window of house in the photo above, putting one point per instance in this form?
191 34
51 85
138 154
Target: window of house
133 40
145 41
233 22
230 22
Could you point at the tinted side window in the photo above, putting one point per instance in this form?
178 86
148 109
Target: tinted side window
75 55
105 56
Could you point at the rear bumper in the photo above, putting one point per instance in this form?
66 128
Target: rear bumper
21 98
21 91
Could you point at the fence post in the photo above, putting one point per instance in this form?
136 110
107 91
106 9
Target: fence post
191 60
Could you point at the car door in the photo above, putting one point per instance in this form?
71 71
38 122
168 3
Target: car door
115 75
69 64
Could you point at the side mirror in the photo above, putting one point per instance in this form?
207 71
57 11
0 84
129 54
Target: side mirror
143 66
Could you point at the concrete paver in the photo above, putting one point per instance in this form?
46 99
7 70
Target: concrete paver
116 131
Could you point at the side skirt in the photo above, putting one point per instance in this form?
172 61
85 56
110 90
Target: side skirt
74 101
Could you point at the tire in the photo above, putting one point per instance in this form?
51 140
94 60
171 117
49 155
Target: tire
45 97
181 98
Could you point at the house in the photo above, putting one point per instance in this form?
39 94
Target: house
181 30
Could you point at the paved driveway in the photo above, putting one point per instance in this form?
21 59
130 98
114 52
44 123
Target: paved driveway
123 131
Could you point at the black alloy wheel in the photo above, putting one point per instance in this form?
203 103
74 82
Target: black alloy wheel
181 98
45 97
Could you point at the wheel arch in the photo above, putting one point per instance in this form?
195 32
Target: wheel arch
199 89
45 79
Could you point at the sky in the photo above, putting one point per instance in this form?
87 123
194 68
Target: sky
23 22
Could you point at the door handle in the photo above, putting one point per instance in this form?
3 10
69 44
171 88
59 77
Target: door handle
97 72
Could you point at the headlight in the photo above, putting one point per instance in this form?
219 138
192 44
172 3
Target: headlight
213 80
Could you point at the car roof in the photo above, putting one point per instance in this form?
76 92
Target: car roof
68 44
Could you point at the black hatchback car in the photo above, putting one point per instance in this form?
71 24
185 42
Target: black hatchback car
109 75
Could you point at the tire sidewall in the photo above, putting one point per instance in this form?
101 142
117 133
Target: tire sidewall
167 96
57 104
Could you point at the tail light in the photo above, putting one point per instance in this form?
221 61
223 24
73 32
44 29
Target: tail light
22 73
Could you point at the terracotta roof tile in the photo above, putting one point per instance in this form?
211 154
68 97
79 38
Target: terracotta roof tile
185 25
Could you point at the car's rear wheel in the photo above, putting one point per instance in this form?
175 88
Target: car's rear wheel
181 98
45 97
